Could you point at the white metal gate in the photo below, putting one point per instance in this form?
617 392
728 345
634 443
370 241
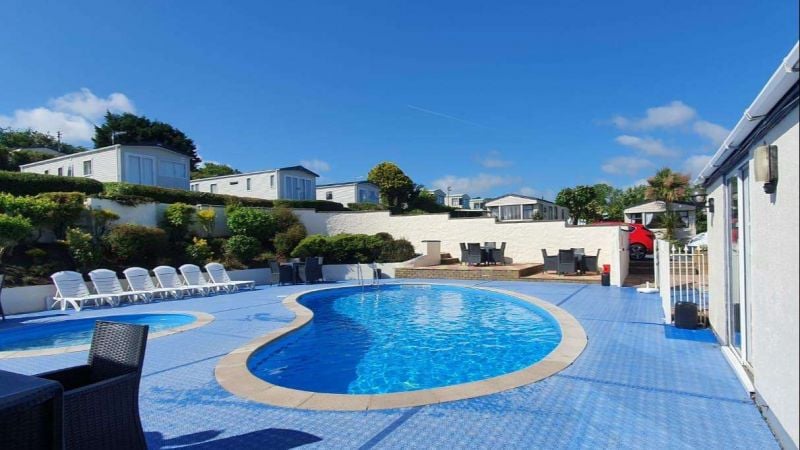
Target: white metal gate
681 275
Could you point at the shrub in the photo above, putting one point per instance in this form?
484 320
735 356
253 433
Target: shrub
462 214
396 251
81 247
125 199
136 244
37 210
319 205
199 251
244 248
284 218
286 241
353 248
23 183
178 217
69 206
207 219
101 219
36 254
252 222
314 245
366 207
13 230
165 195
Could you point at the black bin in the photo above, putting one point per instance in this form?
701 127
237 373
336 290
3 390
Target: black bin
605 279
686 315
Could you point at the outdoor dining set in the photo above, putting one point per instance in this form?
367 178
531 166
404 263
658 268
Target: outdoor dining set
570 261
297 271
477 254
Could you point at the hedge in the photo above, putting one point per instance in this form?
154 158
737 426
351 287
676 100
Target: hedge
355 248
165 195
366 207
23 183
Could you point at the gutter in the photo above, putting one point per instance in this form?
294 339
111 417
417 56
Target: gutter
784 77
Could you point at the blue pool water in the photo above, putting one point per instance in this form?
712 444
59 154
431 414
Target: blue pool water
404 338
65 333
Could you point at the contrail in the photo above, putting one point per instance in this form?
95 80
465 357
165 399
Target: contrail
447 116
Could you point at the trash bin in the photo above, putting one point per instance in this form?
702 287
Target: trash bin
686 315
605 279
606 268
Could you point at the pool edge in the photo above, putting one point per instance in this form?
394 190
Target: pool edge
234 376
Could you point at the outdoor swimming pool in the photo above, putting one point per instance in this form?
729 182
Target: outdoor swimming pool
75 332
400 338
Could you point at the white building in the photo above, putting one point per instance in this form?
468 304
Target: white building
460 201
287 183
752 183
438 195
353 192
516 207
136 164
478 203
650 214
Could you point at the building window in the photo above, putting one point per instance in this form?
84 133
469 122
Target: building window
47 172
272 181
510 212
87 167
527 212
329 195
69 171
61 171
635 217
234 183
247 183
193 187
213 188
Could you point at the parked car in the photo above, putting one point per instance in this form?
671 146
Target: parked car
640 240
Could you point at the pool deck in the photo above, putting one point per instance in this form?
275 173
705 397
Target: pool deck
638 384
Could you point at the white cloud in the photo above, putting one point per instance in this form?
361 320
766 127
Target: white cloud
647 145
72 114
667 116
640 182
529 191
694 164
626 165
472 185
711 131
494 160
315 165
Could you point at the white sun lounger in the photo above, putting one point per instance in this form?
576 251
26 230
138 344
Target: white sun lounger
219 275
72 290
106 283
168 278
193 276
139 280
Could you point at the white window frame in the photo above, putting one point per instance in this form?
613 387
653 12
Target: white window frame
89 173
272 181
329 195
139 155
248 184
212 188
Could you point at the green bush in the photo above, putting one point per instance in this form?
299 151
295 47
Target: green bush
319 205
287 240
69 206
82 248
23 183
314 245
178 217
461 214
252 222
366 207
13 230
37 210
396 251
207 219
244 248
101 220
165 195
125 199
136 244
355 248
199 251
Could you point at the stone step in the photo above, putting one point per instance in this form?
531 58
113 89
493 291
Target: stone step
449 261
445 255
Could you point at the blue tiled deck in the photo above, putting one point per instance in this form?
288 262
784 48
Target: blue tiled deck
638 384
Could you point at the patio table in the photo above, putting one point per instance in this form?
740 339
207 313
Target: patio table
296 266
579 253
31 412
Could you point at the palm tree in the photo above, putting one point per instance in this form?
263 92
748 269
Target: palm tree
669 187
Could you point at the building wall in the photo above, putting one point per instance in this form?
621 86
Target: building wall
342 194
774 286
162 157
260 186
105 166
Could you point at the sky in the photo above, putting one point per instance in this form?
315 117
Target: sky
484 97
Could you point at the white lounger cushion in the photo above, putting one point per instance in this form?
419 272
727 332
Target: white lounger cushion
71 288
218 274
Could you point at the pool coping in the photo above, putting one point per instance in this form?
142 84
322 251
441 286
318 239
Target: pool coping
233 374
201 319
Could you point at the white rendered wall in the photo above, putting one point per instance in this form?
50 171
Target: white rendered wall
341 194
773 293
260 186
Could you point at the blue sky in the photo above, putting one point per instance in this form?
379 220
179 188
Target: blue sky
487 98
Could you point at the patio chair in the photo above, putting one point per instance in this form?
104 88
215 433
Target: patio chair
167 277
463 258
218 274
490 244
72 290
101 398
106 283
275 272
139 280
2 278
590 262
498 255
312 271
193 276
550 262
566 262
284 272
474 254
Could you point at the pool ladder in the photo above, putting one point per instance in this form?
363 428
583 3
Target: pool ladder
376 281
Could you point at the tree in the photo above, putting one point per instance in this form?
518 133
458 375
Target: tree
581 201
669 187
133 129
16 139
13 230
396 187
210 169
621 200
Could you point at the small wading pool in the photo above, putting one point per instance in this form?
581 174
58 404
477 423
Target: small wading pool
400 338
40 336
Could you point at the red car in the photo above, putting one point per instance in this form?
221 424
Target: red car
640 240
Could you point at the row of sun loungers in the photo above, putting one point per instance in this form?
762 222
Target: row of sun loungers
71 288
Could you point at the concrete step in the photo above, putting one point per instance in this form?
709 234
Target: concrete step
445 255
449 261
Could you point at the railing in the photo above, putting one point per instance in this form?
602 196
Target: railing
681 275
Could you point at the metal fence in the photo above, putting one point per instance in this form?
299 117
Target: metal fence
681 275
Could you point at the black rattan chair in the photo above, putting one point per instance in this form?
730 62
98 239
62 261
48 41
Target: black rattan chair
590 262
463 252
550 262
101 398
286 274
498 255
474 254
312 271
566 262
2 278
